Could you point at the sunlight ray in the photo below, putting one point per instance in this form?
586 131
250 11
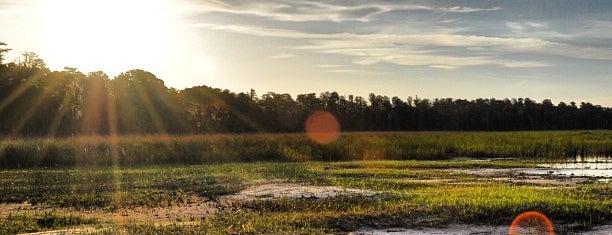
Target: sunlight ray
64 107
34 106
114 153
153 113
93 108
23 87
238 113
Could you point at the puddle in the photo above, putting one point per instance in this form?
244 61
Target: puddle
491 159
288 190
489 171
579 167
592 159
535 176
593 167
571 172
467 229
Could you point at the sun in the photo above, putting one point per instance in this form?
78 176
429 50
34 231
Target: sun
109 35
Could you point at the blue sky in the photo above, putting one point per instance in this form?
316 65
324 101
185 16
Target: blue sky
561 50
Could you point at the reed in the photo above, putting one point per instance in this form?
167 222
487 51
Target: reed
206 149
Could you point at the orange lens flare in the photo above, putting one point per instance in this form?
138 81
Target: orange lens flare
531 222
322 127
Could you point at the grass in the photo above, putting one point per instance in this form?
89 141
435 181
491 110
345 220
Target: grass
206 149
418 182
405 199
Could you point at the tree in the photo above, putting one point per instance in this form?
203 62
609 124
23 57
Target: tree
2 51
142 102
31 60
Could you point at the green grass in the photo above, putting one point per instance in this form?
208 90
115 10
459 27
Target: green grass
404 199
206 149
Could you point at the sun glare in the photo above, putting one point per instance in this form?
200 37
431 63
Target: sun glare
109 35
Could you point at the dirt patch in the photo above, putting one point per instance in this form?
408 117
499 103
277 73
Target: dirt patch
449 229
194 209
69 231
289 190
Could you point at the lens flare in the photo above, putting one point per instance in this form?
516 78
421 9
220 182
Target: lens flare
531 222
322 127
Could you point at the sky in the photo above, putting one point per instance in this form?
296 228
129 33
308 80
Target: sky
558 50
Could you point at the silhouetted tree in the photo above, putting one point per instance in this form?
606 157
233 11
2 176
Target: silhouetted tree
2 52
37 102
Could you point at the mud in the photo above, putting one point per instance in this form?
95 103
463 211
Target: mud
195 209
467 229
289 190
541 176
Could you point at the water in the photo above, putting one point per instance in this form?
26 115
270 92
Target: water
599 167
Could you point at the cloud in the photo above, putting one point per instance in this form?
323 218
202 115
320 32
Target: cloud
441 66
528 25
600 29
515 26
458 9
345 71
328 65
525 64
261 31
298 11
404 49
283 56
382 45
302 11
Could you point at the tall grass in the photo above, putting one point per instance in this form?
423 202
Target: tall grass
201 149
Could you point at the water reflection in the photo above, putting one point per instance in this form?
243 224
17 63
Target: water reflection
595 166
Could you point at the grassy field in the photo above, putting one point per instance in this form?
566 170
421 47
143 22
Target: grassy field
204 149
410 193
90 182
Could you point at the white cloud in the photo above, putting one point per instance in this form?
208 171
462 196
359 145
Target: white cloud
328 65
301 11
525 64
345 71
515 26
430 48
283 56
402 49
261 31
458 9
528 25
537 24
441 66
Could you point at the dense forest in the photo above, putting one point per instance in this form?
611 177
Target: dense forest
35 101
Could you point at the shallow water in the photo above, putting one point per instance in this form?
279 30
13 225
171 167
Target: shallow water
579 167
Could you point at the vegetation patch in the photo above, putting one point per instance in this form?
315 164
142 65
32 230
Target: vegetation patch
193 199
230 148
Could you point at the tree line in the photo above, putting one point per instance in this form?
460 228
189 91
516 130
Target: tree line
35 101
